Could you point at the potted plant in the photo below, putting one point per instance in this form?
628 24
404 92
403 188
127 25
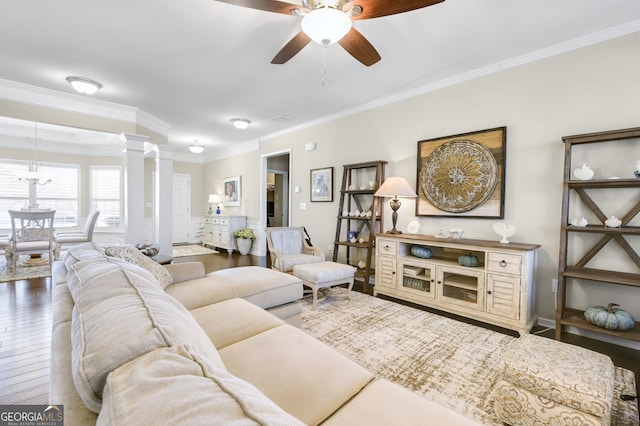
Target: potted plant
244 238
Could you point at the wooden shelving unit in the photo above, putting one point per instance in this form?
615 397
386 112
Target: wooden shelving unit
579 270
354 197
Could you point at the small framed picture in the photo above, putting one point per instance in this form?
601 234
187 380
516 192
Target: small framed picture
231 188
322 184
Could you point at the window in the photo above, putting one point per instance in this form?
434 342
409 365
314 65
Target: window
106 190
13 194
60 194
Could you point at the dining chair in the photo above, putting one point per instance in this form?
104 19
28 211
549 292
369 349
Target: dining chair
32 234
85 236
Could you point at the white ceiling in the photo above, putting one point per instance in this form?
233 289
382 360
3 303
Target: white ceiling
195 64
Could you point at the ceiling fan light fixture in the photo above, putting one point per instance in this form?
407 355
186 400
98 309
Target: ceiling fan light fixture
240 123
84 85
326 25
196 148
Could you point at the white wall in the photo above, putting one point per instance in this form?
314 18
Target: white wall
588 90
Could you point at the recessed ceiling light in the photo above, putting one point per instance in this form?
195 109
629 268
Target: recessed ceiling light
84 85
240 123
196 148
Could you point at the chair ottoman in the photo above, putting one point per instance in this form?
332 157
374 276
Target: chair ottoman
323 275
543 381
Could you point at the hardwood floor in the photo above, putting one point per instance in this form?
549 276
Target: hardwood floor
25 341
25 333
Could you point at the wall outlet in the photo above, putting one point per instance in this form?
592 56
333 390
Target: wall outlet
554 285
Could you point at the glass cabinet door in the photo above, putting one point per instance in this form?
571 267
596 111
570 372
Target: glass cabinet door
461 286
417 277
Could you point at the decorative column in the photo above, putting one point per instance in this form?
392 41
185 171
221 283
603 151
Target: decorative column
164 199
133 187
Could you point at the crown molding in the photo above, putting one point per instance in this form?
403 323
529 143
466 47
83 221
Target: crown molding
41 97
568 46
230 151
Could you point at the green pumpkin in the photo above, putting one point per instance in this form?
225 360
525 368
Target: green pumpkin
421 251
611 318
468 260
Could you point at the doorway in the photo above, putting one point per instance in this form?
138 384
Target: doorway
277 198
278 163
181 208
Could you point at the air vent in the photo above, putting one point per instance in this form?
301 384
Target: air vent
282 119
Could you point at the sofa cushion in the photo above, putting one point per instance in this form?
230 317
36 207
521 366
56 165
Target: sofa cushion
324 379
287 262
233 320
132 255
120 313
86 251
385 403
175 386
261 286
62 390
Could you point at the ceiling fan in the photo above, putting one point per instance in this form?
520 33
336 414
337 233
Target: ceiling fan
329 21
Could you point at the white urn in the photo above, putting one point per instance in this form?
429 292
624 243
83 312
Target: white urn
583 172
612 222
581 223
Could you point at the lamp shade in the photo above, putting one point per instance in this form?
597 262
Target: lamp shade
214 198
396 187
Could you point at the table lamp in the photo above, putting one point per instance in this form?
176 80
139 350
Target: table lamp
214 199
395 187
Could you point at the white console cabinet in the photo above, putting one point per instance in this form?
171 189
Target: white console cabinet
499 290
218 231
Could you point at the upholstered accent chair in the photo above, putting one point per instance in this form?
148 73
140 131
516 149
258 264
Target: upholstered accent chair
288 247
77 237
32 234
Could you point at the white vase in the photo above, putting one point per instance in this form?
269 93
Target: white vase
583 172
244 245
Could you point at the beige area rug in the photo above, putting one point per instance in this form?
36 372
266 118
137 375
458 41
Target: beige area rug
191 250
23 271
447 361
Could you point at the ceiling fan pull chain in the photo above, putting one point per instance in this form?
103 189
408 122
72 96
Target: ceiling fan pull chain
324 65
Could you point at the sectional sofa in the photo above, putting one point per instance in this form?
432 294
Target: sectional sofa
137 343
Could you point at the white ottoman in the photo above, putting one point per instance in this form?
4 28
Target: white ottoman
323 275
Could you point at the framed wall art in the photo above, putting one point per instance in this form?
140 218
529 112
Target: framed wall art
462 175
322 184
232 191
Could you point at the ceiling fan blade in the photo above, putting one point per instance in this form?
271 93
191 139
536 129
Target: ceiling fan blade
378 8
359 47
267 5
291 49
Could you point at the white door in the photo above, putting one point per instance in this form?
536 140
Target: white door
181 208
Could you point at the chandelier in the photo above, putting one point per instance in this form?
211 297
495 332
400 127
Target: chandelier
32 175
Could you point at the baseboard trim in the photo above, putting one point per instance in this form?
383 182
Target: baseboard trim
551 323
